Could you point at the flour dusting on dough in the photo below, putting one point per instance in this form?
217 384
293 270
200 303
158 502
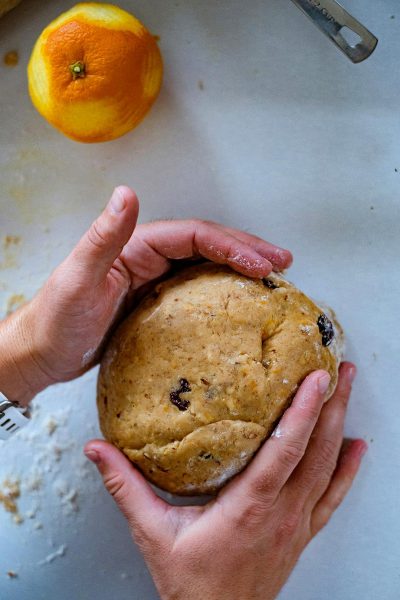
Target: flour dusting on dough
88 357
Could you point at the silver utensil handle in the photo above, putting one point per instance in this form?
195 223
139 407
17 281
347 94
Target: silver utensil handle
330 17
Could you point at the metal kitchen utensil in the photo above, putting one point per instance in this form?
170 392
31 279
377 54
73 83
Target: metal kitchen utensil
331 18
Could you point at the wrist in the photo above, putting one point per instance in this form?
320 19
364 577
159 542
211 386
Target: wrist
21 376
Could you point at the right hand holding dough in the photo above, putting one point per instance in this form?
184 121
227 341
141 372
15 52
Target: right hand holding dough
245 542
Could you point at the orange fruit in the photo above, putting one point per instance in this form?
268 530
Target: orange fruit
94 72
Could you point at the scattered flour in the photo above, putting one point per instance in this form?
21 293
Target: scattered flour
51 425
306 329
53 555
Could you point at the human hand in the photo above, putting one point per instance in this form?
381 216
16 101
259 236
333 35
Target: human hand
245 542
59 334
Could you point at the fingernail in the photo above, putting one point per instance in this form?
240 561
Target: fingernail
361 448
285 255
93 455
351 373
117 202
323 383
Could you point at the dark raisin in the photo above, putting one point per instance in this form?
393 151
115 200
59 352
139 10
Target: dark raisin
118 415
270 284
185 387
326 329
105 400
175 398
179 402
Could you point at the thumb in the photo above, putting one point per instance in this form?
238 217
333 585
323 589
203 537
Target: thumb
97 250
137 501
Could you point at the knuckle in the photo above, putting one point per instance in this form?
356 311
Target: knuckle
289 526
116 486
264 485
336 500
292 452
342 393
312 412
323 520
251 514
327 453
97 236
343 397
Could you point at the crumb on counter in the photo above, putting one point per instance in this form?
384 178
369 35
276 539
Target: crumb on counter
11 491
10 243
11 58
13 302
12 574
11 240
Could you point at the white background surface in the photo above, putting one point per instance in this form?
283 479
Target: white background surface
287 139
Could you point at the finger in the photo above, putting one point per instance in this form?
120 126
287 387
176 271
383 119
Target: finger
148 253
312 476
347 468
97 250
282 452
278 257
137 501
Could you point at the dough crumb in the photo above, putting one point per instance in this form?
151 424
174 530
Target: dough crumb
11 491
13 302
11 240
12 574
11 58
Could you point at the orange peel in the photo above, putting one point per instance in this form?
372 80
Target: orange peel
94 72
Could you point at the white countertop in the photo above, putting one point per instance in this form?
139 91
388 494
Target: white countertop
287 139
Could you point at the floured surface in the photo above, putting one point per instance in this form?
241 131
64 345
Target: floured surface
200 372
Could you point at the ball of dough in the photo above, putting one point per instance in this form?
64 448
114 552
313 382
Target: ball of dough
195 379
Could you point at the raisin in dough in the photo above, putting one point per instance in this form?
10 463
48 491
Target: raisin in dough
196 377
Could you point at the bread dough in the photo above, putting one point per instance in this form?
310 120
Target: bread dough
197 376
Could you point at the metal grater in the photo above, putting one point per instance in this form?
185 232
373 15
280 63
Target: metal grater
330 17
12 418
